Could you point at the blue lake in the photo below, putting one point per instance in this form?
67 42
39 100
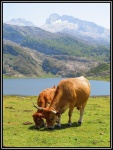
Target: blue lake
33 86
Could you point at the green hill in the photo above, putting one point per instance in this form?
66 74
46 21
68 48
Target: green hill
54 43
31 51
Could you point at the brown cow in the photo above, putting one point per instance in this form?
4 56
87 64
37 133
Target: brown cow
44 100
70 93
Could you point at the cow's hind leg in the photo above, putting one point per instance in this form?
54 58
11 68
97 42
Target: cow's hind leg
70 114
81 113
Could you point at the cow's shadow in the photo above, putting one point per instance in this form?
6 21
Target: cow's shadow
63 126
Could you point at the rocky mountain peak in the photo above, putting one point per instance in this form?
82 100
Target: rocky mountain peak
52 18
20 22
75 27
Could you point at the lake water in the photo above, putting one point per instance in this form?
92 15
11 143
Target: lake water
33 86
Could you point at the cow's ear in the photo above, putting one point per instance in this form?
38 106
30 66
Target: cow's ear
54 87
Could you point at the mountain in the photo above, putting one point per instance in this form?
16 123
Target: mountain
32 51
19 61
82 29
18 34
20 22
54 43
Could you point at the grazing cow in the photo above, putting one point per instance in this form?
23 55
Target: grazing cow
44 100
70 93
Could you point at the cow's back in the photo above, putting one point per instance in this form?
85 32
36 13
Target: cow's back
72 91
45 97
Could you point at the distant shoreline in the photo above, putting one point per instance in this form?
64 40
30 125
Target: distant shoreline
44 77
37 95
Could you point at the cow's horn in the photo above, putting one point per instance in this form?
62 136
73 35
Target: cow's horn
53 111
40 108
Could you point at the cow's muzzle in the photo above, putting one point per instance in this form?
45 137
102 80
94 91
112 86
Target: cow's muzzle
49 127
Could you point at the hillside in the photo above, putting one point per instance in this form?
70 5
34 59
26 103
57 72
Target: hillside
32 51
20 61
55 44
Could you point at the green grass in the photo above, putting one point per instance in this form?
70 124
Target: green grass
55 76
94 131
104 78
49 75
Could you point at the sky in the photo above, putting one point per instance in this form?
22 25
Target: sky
37 13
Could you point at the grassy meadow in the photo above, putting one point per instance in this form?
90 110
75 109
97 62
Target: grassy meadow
19 131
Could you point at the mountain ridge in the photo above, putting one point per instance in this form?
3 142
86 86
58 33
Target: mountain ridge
75 27
68 24
32 51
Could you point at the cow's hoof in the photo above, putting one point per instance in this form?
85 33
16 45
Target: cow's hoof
58 125
69 124
79 122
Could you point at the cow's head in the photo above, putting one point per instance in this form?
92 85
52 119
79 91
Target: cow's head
50 115
51 118
38 119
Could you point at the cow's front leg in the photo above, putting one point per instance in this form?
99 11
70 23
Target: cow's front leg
59 120
70 114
